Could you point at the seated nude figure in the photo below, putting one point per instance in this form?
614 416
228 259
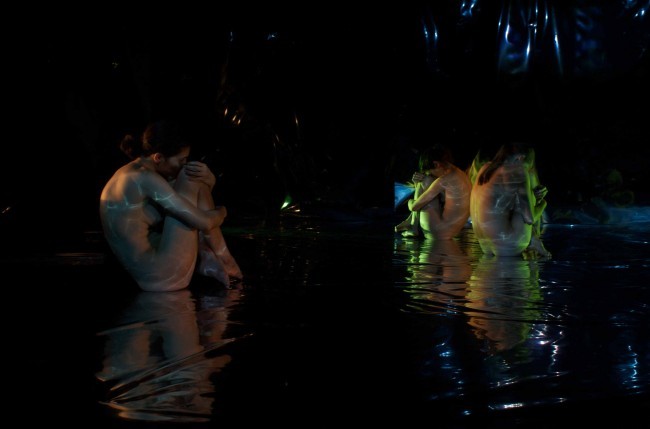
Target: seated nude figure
158 214
507 204
440 207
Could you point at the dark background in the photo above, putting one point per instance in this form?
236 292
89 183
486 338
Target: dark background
326 104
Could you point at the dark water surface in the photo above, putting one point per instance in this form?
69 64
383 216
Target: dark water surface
342 323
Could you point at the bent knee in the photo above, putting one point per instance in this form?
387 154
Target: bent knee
184 185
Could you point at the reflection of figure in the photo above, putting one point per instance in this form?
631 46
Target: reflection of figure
153 208
440 208
507 204
156 361
502 297
439 270
448 255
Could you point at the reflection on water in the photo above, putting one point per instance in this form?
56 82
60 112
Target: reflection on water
160 357
400 323
507 333
503 301
435 261
500 296
498 301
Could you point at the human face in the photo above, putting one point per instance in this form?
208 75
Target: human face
169 167
437 170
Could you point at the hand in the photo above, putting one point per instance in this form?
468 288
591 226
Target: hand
418 177
199 171
540 192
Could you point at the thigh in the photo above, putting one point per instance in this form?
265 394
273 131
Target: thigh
178 241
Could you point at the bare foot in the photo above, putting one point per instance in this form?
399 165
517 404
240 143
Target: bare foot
403 226
411 233
231 266
212 266
536 250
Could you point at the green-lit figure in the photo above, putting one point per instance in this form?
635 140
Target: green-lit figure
507 204
440 207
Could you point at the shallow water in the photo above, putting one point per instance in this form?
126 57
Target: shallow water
344 322
524 334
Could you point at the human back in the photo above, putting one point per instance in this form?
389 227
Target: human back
440 206
130 215
150 212
503 205
447 223
493 205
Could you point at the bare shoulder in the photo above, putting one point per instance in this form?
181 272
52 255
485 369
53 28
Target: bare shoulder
147 178
457 175
138 183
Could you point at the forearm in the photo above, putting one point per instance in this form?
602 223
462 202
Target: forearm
203 220
538 210
430 191
217 216
417 204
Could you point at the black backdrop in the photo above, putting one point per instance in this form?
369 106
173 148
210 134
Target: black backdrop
327 104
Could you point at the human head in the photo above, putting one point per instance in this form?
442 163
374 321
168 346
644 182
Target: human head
164 142
434 157
512 150
507 153
163 136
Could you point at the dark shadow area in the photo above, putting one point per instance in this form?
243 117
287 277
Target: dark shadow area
318 108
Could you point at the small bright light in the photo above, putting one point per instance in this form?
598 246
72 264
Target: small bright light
287 202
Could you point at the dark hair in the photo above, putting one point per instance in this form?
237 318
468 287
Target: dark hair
506 151
162 136
435 153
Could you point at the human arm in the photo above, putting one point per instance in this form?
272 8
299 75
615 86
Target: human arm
536 194
529 200
435 189
162 193
417 177
199 171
